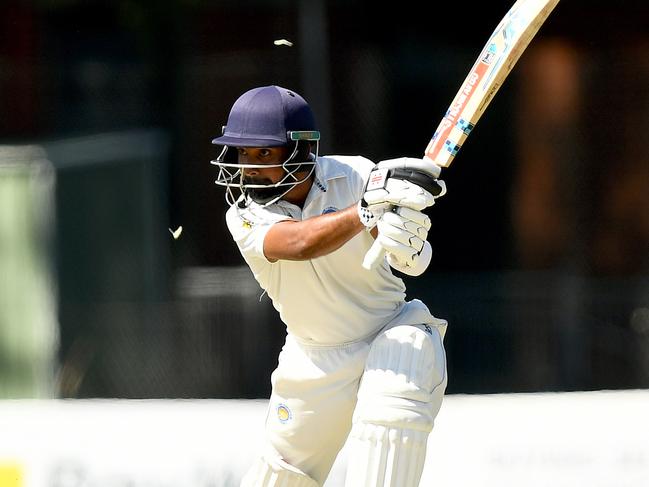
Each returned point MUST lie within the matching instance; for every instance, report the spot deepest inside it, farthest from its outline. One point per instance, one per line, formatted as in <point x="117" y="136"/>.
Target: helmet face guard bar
<point x="230" y="174"/>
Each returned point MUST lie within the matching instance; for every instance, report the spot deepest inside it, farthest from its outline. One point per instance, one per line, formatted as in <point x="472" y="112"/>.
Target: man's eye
<point x="264" y="152"/>
<point x="241" y="152"/>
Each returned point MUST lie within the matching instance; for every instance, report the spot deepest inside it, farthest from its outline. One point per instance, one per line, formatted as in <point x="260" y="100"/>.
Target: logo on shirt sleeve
<point x="329" y="209"/>
<point x="247" y="224"/>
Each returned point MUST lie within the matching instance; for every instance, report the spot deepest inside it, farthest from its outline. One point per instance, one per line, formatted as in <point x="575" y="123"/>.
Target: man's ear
<point x="304" y="150"/>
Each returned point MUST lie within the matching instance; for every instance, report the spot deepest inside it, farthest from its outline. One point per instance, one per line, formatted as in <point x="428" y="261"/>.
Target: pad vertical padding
<point x="380" y="456"/>
<point x="404" y="380"/>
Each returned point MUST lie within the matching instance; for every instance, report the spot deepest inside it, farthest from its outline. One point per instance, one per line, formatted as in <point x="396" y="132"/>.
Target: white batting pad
<point x="276" y="474"/>
<point x="404" y="379"/>
<point x="381" y="456"/>
<point x="399" y="397"/>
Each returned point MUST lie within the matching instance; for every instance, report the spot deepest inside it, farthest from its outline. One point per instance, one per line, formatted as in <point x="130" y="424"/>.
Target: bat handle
<point x="374" y="256"/>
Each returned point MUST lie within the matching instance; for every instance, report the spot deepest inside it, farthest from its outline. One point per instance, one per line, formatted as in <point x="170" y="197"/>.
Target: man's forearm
<point x="313" y="237"/>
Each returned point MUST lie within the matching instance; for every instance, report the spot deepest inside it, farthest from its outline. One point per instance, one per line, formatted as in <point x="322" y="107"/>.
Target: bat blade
<point x="496" y="60"/>
<point x="499" y="55"/>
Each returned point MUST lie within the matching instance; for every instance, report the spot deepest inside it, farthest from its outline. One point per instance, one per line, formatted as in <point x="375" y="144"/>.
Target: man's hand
<point x="404" y="182"/>
<point x="403" y="233"/>
<point x="389" y="187"/>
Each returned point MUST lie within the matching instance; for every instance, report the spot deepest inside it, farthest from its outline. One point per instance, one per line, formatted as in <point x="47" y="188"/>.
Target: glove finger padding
<point x="405" y="230"/>
<point x="409" y="218"/>
<point x="395" y="238"/>
<point x="403" y="233"/>
<point x="417" y="265"/>
<point x="401" y="193"/>
<point x="404" y="252"/>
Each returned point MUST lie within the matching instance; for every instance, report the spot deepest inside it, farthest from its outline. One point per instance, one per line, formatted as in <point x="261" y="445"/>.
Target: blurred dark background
<point x="541" y="245"/>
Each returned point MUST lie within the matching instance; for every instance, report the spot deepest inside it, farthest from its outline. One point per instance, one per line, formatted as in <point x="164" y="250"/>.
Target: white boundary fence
<point x="593" y="439"/>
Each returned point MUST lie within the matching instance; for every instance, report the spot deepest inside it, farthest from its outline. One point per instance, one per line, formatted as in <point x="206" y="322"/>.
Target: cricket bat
<point x="496" y="60"/>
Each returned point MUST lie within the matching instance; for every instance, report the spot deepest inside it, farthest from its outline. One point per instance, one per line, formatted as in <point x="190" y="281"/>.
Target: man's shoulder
<point x="344" y="165"/>
<point x="252" y="215"/>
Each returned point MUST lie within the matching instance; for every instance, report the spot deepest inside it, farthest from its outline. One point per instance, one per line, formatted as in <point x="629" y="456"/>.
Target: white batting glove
<point x="398" y="192"/>
<point x="421" y="174"/>
<point x="403" y="233"/>
<point x="383" y="193"/>
<point x="417" y="265"/>
<point x="369" y="214"/>
<point x="418" y="189"/>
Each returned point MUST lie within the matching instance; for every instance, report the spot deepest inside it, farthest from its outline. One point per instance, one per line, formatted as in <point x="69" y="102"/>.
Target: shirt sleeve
<point x="249" y="229"/>
<point x="361" y="168"/>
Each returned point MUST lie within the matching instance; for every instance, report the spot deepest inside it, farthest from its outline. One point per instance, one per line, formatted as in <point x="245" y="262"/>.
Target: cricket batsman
<point x="360" y="362"/>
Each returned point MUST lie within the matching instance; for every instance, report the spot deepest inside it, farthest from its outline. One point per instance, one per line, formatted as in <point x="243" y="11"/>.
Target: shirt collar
<point x="325" y="172"/>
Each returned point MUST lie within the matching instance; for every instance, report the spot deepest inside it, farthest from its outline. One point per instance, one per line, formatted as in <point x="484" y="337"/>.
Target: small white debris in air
<point x="283" y="42"/>
<point x="176" y="233"/>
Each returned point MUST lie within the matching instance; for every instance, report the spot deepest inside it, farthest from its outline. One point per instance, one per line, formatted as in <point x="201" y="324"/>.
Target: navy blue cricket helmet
<point x="268" y="116"/>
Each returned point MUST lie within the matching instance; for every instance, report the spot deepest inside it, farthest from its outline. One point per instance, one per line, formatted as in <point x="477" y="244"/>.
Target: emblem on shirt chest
<point x="247" y="224"/>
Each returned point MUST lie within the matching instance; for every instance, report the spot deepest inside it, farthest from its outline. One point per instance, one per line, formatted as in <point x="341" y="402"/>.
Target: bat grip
<point x="421" y="179"/>
<point x="374" y="256"/>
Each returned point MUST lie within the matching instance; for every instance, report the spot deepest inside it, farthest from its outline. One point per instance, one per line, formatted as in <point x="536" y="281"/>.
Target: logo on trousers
<point x="283" y="413"/>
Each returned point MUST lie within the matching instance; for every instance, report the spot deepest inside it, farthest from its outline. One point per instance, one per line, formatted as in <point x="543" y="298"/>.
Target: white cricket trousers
<point x="314" y="394"/>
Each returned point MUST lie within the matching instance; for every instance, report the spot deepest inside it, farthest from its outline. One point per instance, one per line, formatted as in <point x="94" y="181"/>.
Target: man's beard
<point x="262" y="195"/>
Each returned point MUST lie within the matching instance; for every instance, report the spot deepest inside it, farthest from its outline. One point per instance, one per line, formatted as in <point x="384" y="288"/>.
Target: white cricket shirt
<point x="330" y="299"/>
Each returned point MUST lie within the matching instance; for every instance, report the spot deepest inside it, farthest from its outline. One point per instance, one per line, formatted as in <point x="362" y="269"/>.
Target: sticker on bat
<point x="452" y="148"/>
<point x="465" y="126"/>
<point x="490" y="54"/>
